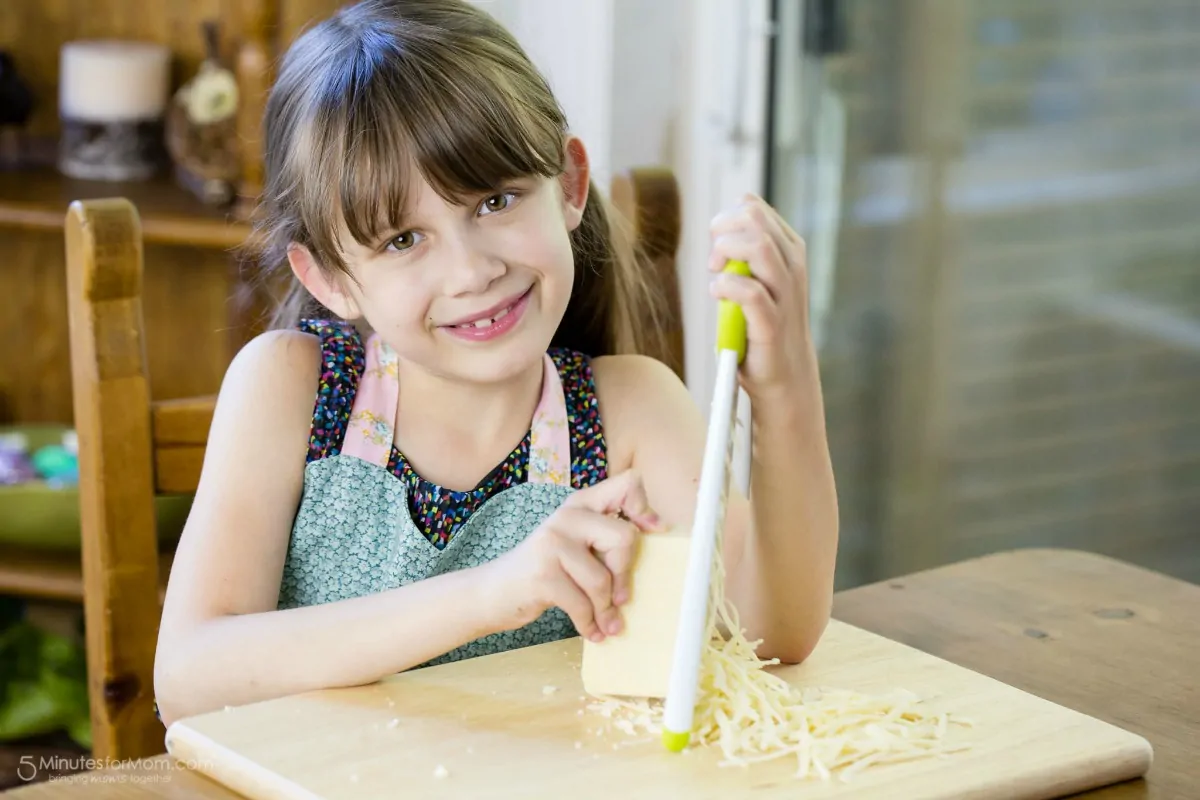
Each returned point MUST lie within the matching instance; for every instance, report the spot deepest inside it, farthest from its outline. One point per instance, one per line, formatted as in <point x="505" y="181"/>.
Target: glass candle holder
<point x="112" y="100"/>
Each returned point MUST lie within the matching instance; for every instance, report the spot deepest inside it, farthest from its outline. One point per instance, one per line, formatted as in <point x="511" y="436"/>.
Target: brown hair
<point x="386" y="84"/>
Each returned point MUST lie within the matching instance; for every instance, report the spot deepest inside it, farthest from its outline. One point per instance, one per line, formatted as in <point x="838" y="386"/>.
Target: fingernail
<point x="597" y="637"/>
<point x="614" y="626"/>
<point x="620" y="597"/>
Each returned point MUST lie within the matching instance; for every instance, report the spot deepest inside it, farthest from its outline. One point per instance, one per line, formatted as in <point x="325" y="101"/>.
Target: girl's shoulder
<point x="640" y="399"/>
<point x="287" y="359"/>
<point x="261" y="420"/>
<point x="624" y="380"/>
<point x="288" y="373"/>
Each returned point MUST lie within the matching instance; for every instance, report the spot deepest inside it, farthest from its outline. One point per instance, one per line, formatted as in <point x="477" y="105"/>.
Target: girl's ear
<point x="575" y="181"/>
<point x="326" y="288"/>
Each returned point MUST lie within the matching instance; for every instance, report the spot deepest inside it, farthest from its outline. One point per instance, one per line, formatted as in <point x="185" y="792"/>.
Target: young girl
<point x="450" y="447"/>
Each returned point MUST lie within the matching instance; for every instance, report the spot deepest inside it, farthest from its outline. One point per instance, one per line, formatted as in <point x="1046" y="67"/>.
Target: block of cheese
<point x="637" y="661"/>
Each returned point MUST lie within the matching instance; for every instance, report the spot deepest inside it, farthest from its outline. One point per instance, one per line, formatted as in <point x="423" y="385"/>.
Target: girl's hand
<point x="578" y="560"/>
<point x="779" y="350"/>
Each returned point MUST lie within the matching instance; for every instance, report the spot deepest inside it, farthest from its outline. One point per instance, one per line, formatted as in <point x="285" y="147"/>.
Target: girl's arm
<point x="780" y="553"/>
<point x="221" y="640"/>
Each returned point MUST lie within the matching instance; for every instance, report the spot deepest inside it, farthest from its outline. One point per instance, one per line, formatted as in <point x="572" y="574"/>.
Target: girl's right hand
<point x="578" y="560"/>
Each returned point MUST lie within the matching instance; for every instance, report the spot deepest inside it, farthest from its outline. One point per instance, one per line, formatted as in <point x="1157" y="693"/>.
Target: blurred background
<point x="1001" y="200"/>
<point x="1003" y="197"/>
<point x="1004" y="200"/>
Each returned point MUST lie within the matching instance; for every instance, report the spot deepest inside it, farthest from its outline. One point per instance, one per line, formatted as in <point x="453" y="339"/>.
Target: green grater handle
<point x="731" y="322"/>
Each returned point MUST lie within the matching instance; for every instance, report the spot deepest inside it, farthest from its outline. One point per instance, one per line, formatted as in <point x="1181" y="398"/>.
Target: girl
<point x="451" y="445"/>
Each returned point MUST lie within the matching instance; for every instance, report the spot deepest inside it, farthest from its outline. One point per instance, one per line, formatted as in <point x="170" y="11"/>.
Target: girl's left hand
<point x="779" y="350"/>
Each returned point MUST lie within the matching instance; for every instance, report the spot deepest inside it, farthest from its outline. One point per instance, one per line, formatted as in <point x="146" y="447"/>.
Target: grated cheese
<point x="754" y="716"/>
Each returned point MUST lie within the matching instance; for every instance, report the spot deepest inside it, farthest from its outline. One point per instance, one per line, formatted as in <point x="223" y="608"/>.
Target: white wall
<point x="649" y="74"/>
<point x="571" y="42"/>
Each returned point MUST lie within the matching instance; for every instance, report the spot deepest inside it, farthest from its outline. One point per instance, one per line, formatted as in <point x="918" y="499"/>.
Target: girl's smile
<point x="492" y="323"/>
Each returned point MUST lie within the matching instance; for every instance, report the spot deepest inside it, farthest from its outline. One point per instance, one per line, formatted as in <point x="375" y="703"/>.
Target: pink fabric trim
<point x="550" y="442"/>
<point x="369" y="435"/>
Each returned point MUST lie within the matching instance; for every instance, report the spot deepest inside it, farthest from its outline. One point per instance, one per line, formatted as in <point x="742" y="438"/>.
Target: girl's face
<point x="472" y="292"/>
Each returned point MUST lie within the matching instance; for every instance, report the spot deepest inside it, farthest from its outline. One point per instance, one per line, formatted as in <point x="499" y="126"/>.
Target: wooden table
<point x="1114" y="641"/>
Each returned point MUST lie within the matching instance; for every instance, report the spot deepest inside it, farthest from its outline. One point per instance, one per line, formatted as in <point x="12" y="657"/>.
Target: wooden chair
<point x="131" y="447"/>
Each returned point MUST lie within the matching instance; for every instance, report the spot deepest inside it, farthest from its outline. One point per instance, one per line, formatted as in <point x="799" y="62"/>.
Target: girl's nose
<point x="470" y="270"/>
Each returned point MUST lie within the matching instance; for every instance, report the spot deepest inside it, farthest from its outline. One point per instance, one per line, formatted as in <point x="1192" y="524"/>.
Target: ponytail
<point x="617" y="306"/>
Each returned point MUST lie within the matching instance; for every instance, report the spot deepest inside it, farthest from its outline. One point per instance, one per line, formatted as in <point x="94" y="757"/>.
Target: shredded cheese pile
<point x="755" y="716"/>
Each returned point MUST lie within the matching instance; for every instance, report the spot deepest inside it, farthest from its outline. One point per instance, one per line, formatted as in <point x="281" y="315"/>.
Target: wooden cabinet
<point x="200" y="303"/>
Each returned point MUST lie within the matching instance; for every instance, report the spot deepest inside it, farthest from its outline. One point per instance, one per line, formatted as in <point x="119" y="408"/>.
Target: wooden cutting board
<point x="507" y="726"/>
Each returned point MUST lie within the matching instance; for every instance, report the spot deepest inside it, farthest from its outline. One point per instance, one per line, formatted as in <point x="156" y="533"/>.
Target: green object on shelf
<point x="43" y="683"/>
<point x="44" y="516"/>
<point x="55" y="462"/>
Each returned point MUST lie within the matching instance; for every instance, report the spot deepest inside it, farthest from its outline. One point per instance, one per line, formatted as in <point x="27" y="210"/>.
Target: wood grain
<point x="183" y="421"/>
<point x="967" y="612"/>
<point x="35" y="30"/>
<point x="177" y="469"/>
<point x="1110" y="639"/>
<point x="38" y="198"/>
<point x="180" y="432"/>
<point x="254" y="68"/>
<point x="252" y="34"/>
<point x="54" y="575"/>
<point x="488" y="720"/>
<point x="112" y="415"/>
<point x="186" y="312"/>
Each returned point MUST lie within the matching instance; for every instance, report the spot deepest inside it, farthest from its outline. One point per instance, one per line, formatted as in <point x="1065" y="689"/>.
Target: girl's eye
<point x="403" y="242"/>
<point x="497" y="202"/>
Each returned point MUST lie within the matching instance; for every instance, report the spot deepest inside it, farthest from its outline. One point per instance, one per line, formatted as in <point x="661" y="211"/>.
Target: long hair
<point x="384" y="85"/>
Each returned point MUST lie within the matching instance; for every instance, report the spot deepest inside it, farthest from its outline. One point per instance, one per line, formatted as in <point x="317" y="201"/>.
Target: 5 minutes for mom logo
<point x="77" y="768"/>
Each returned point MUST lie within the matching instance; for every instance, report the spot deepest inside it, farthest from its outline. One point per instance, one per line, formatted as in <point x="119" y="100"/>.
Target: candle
<point x="111" y="81"/>
<point x="112" y="99"/>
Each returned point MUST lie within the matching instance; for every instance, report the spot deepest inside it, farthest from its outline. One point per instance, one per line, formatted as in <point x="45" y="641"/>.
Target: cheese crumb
<point x="393" y="724"/>
<point x="440" y="772"/>
<point x="548" y="690"/>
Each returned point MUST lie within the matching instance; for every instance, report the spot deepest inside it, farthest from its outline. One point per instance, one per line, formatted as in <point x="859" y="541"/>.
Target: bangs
<point x="454" y="115"/>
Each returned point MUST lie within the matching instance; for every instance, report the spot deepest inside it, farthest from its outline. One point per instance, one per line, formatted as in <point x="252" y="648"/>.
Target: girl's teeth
<point x="484" y="323"/>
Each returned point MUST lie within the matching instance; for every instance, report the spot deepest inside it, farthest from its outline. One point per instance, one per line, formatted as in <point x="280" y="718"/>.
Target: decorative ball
<point x="56" y="463"/>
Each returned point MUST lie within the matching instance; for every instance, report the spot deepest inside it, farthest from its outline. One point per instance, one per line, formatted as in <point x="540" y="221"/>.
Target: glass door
<point x="1001" y="199"/>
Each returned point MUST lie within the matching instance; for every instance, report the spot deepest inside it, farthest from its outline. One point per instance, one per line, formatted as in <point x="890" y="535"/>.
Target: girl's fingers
<point x="612" y="539"/>
<point x="566" y="594"/>
<point x="760" y="309"/>
<point x="758" y="250"/>
<point x="785" y="231"/>
<point x="755" y="215"/>
<point x="621" y="494"/>
<point x="594" y="579"/>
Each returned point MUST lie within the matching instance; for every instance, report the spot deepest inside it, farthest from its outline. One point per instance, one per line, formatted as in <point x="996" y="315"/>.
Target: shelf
<point x="38" y="199"/>
<point x="54" y="575"/>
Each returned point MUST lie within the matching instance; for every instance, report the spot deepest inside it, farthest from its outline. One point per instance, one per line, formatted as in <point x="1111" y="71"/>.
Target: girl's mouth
<point x="495" y="325"/>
